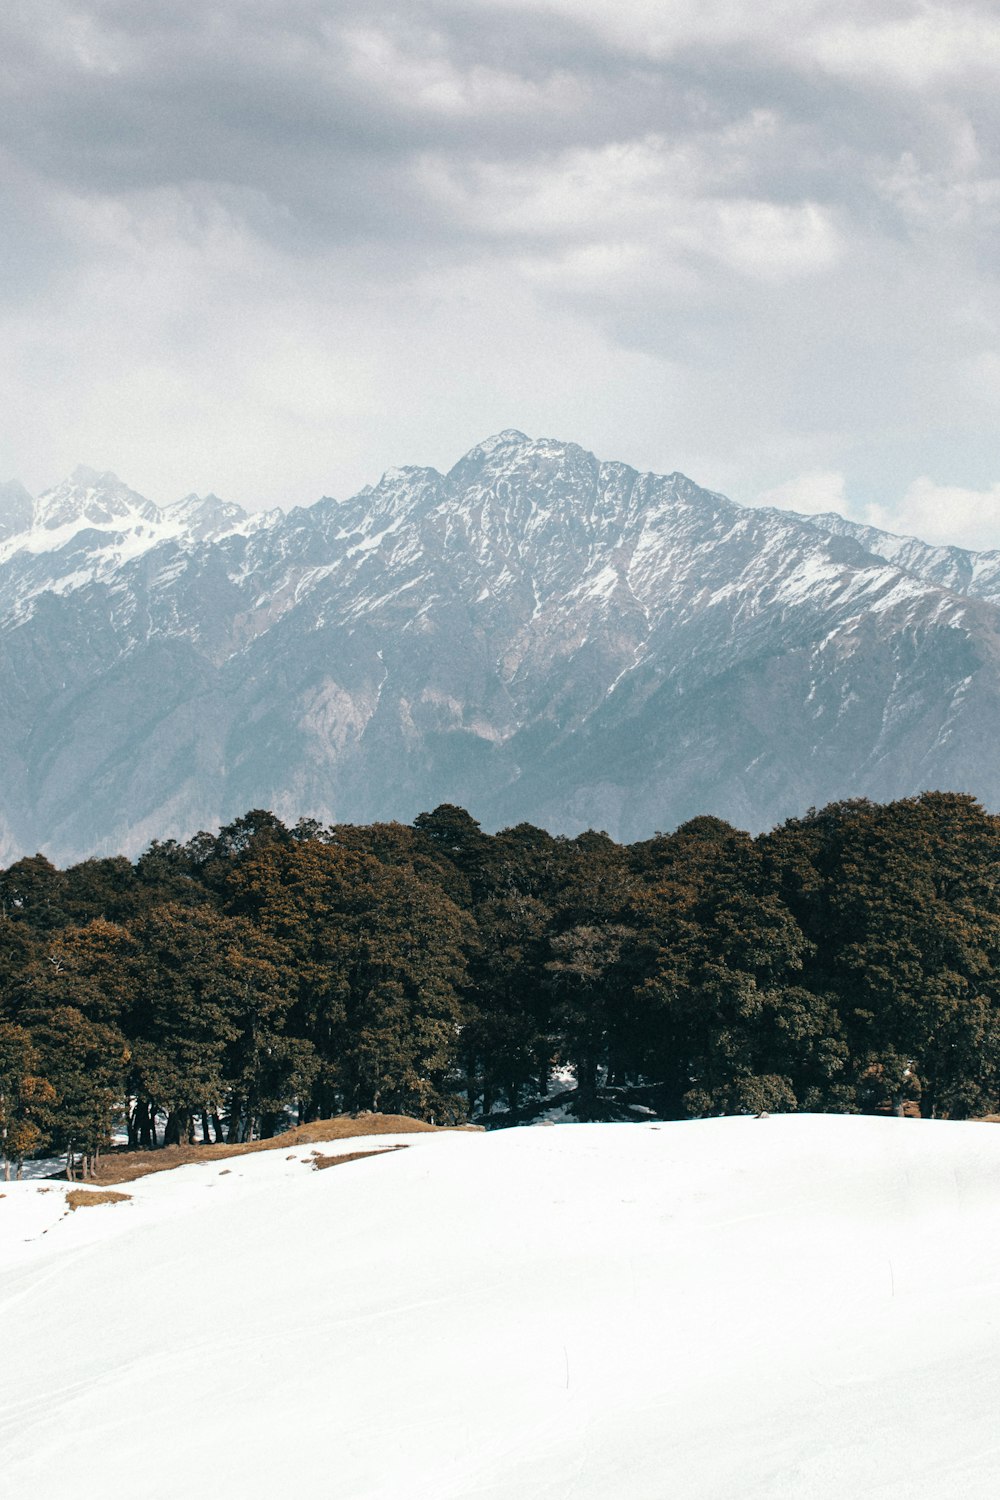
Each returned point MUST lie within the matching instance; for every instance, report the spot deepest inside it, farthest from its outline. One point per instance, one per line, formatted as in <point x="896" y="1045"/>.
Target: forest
<point x="222" y="988"/>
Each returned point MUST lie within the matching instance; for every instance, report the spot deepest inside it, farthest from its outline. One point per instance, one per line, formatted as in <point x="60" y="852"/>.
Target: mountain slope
<point x="796" y="1306"/>
<point x="536" y="634"/>
<point x="954" y="568"/>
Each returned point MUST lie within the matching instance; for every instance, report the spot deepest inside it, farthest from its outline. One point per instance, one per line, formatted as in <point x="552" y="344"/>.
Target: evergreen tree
<point x="737" y="1029"/>
<point x="380" y="961"/>
<point x="183" y="1017"/>
<point x="84" y="1062"/>
<point x="33" y="891"/>
<point x="508" y="1043"/>
<point x="25" y="1098"/>
<point x="904" y="903"/>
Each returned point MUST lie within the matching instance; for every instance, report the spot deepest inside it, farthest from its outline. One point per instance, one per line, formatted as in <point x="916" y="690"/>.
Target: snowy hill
<point x="801" y="1306"/>
<point x="536" y="635"/>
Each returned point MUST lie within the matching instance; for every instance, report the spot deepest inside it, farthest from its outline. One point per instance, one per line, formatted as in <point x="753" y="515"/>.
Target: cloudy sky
<point x="271" y="247"/>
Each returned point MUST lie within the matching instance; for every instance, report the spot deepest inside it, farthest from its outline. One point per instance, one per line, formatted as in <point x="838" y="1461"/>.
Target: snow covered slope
<point x="800" y="1308"/>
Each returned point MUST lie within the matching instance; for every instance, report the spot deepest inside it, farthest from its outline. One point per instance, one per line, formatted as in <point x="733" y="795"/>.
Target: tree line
<point x="846" y="961"/>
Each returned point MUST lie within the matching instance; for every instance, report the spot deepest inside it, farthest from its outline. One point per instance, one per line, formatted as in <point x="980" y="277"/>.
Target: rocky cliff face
<point x="536" y="635"/>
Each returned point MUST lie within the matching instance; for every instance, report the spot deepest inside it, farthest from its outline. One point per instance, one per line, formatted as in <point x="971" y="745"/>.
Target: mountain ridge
<point x="536" y="634"/>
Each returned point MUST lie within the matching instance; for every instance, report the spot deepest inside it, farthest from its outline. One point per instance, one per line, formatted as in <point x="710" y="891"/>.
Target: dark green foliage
<point x="107" y="888"/>
<point x="379" y="957"/>
<point x="902" y="904"/>
<point x="33" y="891"/>
<point x="83" y="1062"/>
<point x="25" y="1097"/>
<point x="507" y="1042"/>
<point x="733" y="1027"/>
<point x="849" y="960"/>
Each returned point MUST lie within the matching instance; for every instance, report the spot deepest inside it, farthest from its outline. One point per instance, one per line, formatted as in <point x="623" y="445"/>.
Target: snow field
<point x="794" y="1307"/>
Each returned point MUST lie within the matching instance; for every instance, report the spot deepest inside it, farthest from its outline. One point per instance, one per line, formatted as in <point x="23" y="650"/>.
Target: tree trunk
<point x="235" y="1120"/>
<point x="142" y="1124"/>
<point x="6" y="1170"/>
<point x="217" y="1127"/>
<point x="586" y="1087"/>
<point x="928" y="1100"/>
<point x="178" y="1129"/>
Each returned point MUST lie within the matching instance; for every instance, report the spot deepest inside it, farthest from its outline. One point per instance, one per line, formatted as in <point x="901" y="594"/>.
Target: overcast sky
<point x="272" y="247"/>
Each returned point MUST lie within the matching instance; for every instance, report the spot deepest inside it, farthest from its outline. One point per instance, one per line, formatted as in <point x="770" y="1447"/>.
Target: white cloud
<point x="942" y="514"/>
<point x="655" y="30"/>
<point x="932" y="43"/>
<point x="946" y="515"/>
<point x="425" y="77"/>
<point x="912" y="43"/>
<point x="272" y="248"/>
<point x="634" y="204"/>
<point x="811" y="494"/>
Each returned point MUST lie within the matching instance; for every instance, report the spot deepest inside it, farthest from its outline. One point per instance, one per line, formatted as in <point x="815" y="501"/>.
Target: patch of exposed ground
<point x="126" y="1166"/>
<point x="318" y="1162"/>
<point x="85" y="1198"/>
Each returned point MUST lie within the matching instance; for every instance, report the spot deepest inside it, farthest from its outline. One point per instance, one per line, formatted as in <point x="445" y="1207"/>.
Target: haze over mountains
<point x="536" y="635"/>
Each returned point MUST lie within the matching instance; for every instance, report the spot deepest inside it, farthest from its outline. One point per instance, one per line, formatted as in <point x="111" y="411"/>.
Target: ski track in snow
<point x="799" y="1307"/>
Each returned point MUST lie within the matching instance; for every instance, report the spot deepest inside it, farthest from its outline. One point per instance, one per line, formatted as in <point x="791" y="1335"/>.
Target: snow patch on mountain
<point x="536" y="634"/>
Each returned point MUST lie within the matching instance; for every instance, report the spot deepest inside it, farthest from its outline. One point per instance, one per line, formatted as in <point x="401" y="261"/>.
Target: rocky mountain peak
<point x="204" y="517"/>
<point x="91" y="498"/>
<point x="537" y="635"/>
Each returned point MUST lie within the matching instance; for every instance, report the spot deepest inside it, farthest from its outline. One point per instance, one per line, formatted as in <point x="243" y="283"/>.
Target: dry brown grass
<point x="83" y="1198"/>
<point x="319" y="1162"/>
<point x="126" y="1166"/>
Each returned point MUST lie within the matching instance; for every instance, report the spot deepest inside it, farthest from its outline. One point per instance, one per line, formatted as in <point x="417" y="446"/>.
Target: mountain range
<point x="536" y="635"/>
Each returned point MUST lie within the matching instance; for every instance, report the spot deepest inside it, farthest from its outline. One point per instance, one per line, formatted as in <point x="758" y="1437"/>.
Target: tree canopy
<point x="848" y="960"/>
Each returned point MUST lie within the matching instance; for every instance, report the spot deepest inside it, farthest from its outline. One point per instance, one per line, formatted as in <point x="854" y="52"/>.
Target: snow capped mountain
<point x="89" y="527"/>
<point x="87" y="498"/>
<point x="204" y="518"/>
<point x="536" y="634"/>
<point x="954" y="568"/>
